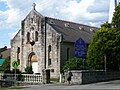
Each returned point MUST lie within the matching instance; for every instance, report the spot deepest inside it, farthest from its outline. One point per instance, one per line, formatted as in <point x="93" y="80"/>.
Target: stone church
<point x="46" y="43"/>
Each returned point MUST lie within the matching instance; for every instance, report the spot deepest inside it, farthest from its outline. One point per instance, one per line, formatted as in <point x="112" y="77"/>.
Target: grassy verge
<point x="13" y="88"/>
<point x="54" y="80"/>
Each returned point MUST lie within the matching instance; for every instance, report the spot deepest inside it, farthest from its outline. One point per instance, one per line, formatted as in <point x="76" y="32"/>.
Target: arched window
<point x="36" y="36"/>
<point x="28" y="37"/>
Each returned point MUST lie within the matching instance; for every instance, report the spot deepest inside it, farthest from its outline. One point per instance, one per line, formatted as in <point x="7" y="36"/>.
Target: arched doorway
<point x="32" y="60"/>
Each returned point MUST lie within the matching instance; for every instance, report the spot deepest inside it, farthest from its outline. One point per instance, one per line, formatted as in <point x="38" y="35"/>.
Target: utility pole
<point x="105" y="62"/>
<point x="113" y="4"/>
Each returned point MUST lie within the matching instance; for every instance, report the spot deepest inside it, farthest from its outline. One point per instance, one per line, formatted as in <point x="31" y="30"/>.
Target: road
<point x="115" y="85"/>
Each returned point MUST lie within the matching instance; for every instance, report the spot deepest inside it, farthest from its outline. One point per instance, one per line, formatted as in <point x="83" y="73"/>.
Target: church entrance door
<point x="35" y="67"/>
<point x="33" y="61"/>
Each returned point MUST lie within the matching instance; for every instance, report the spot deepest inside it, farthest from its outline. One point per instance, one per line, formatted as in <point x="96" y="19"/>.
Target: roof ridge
<point x="70" y="22"/>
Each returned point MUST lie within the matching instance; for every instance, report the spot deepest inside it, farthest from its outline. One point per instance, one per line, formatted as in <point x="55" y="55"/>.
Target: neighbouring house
<point x="4" y="53"/>
<point x="46" y="43"/>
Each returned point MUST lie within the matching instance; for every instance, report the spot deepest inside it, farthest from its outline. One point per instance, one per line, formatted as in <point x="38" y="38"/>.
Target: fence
<point x="20" y="78"/>
<point x="32" y="78"/>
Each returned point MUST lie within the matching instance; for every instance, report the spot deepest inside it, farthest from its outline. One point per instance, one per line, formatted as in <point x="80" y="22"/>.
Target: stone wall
<point x="85" y="77"/>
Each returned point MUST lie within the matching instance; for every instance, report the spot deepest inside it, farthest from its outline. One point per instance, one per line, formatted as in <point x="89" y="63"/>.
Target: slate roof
<point x="72" y="31"/>
<point x="69" y="30"/>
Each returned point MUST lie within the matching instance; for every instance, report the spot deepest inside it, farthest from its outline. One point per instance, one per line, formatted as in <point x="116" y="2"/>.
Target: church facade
<point x="46" y="43"/>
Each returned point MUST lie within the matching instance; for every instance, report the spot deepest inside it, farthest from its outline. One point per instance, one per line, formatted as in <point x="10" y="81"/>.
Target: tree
<point x="105" y="42"/>
<point x="116" y="18"/>
<point x="6" y="65"/>
<point x="106" y="25"/>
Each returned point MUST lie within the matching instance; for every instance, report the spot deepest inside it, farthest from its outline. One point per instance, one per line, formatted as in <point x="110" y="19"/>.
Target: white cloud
<point x="11" y="35"/>
<point x="84" y="12"/>
<point x="80" y="11"/>
<point x="90" y="12"/>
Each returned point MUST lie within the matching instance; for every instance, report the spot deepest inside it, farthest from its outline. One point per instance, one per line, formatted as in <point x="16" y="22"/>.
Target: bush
<point x="20" y="77"/>
<point x="74" y="63"/>
<point x="28" y="70"/>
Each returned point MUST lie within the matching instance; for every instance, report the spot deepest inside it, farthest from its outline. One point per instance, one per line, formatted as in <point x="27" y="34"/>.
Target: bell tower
<point x="113" y="4"/>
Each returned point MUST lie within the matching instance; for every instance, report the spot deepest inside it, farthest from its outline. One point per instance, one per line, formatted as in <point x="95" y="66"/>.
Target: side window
<point x="28" y="37"/>
<point x="18" y="52"/>
<point x="49" y="48"/>
<point x="49" y="62"/>
<point x="49" y="55"/>
<point x="36" y="36"/>
<point x="68" y="53"/>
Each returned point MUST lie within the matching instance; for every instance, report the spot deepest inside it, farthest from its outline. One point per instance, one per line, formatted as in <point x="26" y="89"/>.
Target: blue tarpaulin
<point x="2" y="61"/>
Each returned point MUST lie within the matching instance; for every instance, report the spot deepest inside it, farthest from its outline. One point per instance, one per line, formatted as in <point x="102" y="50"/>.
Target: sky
<point x="12" y="12"/>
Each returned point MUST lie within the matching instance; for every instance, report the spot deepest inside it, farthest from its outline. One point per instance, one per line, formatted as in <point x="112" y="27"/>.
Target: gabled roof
<point x="72" y="31"/>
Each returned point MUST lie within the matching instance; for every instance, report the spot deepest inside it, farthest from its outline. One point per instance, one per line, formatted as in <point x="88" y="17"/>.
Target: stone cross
<point x="34" y="6"/>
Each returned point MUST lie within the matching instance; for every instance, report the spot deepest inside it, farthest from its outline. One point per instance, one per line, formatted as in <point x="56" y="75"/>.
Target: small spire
<point x="34" y="6"/>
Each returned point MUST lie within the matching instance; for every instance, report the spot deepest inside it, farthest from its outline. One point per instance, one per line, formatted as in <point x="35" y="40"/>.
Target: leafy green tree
<point x="116" y="18"/>
<point x="105" y="42"/>
<point x="106" y="25"/>
<point x="6" y="65"/>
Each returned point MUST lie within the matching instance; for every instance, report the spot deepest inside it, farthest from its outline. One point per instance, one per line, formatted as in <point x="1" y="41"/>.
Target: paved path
<point x="115" y="85"/>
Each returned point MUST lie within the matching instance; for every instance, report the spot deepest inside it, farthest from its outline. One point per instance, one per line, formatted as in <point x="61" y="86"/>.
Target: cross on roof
<point x="34" y="6"/>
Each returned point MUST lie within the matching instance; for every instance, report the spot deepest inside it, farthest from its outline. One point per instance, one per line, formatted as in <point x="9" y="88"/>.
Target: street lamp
<point x="105" y="62"/>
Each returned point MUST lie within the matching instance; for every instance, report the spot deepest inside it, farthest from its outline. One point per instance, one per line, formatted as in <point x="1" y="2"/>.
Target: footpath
<point x="114" y="85"/>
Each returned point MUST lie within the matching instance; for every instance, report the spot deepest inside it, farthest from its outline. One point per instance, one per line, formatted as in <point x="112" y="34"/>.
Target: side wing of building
<point x="70" y="32"/>
<point x="15" y="45"/>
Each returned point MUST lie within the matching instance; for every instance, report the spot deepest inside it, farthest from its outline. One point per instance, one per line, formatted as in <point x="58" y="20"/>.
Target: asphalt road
<point x="110" y="85"/>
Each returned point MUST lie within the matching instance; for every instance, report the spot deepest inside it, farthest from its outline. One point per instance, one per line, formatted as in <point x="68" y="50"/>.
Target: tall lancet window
<point x="36" y="36"/>
<point x="28" y="37"/>
<point x="32" y="34"/>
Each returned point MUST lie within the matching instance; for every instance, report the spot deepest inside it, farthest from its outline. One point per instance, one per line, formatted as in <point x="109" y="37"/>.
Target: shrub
<point x="28" y="70"/>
